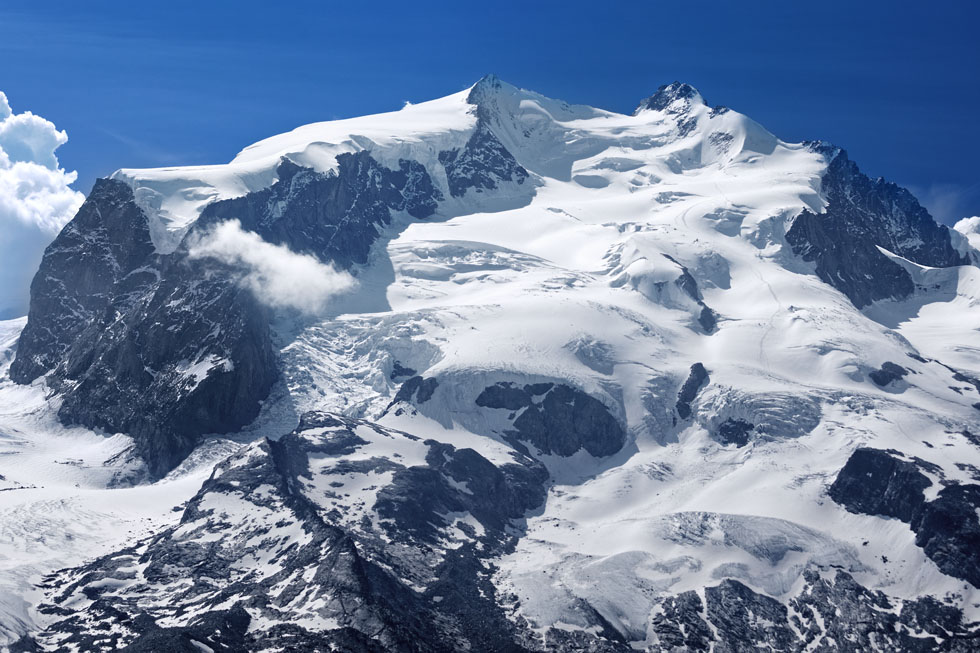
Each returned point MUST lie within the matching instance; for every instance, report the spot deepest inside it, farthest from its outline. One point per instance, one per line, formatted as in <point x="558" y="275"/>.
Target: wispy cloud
<point x="149" y="151"/>
<point x="278" y="276"/>
<point x="949" y="202"/>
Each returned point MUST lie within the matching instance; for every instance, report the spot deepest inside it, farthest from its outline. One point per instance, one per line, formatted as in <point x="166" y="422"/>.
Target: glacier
<point x="601" y="384"/>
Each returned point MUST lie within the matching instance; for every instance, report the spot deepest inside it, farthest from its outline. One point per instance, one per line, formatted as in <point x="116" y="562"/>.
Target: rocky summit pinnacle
<point x="667" y="95"/>
<point x="486" y="86"/>
<point x="496" y="372"/>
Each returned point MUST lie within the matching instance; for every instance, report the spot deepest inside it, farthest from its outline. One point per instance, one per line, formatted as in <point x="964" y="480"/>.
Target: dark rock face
<point x="948" y="531"/>
<point x="874" y="482"/>
<point x="354" y="585"/>
<point x="334" y="217"/>
<point x="342" y="441"/>
<point x="167" y="348"/>
<point x="676" y="99"/>
<point x="481" y="164"/>
<point x="416" y="389"/>
<point x="400" y="371"/>
<point x="686" y="282"/>
<point x="734" y="431"/>
<point x="869" y="621"/>
<point x="708" y="319"/>
<point x="863" y="214"/>
<point x="680" y="625"/>
<point x="192" y="356"/>
<point x="929" y="615"/>
<point x="696" y="380"/>
<point x="413" y="392"/>
<point x="162" y="348"/>
<point x="745" y="616"/>
<point x="887" y="373"/>
<point x="562" y="422"/>
<point x="830" y="613"/>
<point x="413" y="504"/>
<point x="101" y="247"/>
<point x="667" y="94"/>
<point x="327" y="581"/>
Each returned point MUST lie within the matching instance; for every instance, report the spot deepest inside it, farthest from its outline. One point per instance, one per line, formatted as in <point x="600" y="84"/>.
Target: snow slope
<point x="65" y="495"/>
<point x="582" y="277"/>
<point x="174" y="197"/>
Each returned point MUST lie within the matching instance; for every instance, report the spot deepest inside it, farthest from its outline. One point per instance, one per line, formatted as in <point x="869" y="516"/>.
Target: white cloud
<point x="969" y="228"/>
<point x="968" y="225"/>
<point x="278" y="276"/>
<point x="35" y="201"/>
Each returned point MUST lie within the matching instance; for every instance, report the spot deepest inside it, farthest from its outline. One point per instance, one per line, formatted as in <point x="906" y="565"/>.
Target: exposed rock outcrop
<point x="402" y="571"/>
<point x="556" y="418"/>
<point x="689" y="391"/>
<point x="863" y="214"/>
<point x="167" y="348"/>
<point x="876" y="482"/>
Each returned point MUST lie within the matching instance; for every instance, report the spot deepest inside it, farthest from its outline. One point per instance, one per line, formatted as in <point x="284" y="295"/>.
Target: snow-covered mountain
<point x="498" y="373"/>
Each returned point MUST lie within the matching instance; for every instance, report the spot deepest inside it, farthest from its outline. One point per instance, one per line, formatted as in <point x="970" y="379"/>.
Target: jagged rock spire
<point x="669" y="94"/>
<point x="487" y="85"/>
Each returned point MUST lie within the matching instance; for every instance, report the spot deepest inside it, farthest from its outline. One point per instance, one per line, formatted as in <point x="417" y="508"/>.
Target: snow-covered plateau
<point x="498" y="373"/>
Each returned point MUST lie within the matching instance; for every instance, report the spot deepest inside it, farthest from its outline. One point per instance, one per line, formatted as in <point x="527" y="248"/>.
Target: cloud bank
<point x="968" y="225"/>
<point x="279" y="277"/>
<point x="969" y="228"/>
<point x="36" y="201"/>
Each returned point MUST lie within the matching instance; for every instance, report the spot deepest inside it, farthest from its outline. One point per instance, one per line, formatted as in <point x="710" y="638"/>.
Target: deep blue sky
<point x="135" y="85"/>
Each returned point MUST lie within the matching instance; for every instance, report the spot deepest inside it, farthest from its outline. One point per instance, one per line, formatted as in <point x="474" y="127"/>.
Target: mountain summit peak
<point x="669" y="94"/>
<point x="566" y="324"/>
<point x="487" y="86"/>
